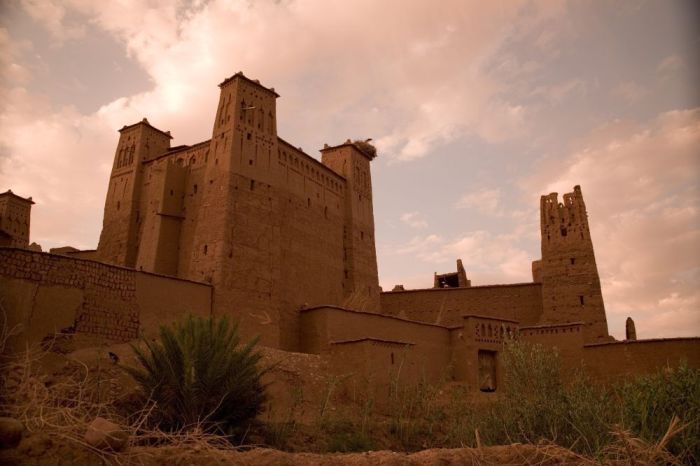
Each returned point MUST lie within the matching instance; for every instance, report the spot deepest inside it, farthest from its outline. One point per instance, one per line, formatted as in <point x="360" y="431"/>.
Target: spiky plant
<point x="199" y="375"/>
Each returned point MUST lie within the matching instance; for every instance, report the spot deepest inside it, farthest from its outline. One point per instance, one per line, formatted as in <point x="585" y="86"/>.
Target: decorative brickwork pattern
<point x="109" y="306"/>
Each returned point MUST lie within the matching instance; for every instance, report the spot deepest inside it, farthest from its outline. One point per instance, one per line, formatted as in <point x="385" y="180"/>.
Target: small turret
<point x="15" y="214"/>
<point x="630" y="330"/>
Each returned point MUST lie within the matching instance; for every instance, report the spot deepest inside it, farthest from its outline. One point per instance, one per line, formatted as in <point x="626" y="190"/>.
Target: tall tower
<point x="361" y="283"/>
<point x="15" y="214"/>
<point x="570" y="282"/>
<point x="119" y="238"/>
<point x="236" y="244"/>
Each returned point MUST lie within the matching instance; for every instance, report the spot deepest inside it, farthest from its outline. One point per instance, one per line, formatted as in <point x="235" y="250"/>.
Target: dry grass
<point x="62" y="408"/>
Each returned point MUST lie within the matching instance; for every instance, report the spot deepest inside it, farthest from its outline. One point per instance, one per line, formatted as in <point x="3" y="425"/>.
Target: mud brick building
<point x="246" y="224"/>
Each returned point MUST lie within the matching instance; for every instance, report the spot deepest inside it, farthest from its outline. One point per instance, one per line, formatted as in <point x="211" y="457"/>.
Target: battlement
<point x="363" y="147"/>
<point x="571" y="210"/>
<point x="255" y="82"/>
<point x="145" y="123"/>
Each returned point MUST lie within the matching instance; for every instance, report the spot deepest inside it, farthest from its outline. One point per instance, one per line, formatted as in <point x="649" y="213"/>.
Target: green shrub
<point x="650" y="402"/>
<point x="198" y="375"/>
<point x="536" y="404"/>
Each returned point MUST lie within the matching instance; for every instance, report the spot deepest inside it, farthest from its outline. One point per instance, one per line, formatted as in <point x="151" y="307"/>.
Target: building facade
<point x="249" y="226"/>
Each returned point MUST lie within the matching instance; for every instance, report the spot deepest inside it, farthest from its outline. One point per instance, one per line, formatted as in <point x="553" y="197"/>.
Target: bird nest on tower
<point x="366" y="148"/>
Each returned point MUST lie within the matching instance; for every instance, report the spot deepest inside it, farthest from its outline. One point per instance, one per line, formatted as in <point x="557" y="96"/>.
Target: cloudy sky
<point x="477" y="109"/>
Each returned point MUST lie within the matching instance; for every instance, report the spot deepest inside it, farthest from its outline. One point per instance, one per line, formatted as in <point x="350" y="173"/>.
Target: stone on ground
<point x="106" y="435"/>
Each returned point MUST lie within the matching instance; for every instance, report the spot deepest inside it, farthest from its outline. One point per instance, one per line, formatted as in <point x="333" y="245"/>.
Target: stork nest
<point x="366" y="148"/>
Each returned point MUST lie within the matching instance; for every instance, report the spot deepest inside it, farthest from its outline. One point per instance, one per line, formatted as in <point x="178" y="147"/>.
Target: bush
<point x="537" y="405"/>
<point x="199" y="375"/>
<point x="650" y="402"/>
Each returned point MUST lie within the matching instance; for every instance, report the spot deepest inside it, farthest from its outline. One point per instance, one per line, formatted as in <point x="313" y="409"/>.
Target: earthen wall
<point x="614" y="361"/>
<point x="446" y="306"/>
<point x="375" y="367"/>
<point x="46" y="293"/>
<point x="321" y="327"/>
<point x="568" y="339"/>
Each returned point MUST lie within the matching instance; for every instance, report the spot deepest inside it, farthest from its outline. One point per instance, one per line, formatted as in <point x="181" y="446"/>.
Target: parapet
<point x="363" y="147"/>
<point x="12" y="195"/>
<point x="254" y="82"/>
<point x="554" y="211"/>
<point x="146" y="123"/>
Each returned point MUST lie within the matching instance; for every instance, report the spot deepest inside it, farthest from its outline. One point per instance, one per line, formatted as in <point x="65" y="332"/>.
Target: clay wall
<point x="158" y="246"/>
<point x="89" y="254"/>
<point x="446" y="306"/>
<point x="195" y="159"/>
<point x="164" y="300"/>
<point x="322" y="329"/>
<point x="478" y="334"/>
<point x="567" y="338"/>
<point x="311" y="225"/>
<point x="46" y="293"/>
<point x="375" y="367"/>
<point x="610" y="362"/>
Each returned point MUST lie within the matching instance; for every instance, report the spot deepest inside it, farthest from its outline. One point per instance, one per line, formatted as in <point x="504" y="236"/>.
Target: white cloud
<point x="414" y="220"/>
<point x="641" y="191"/>
<point x="489" y="258"/>
<point x="486" y="201"/>
<point x="52" y="15"/>
<point x="324" y="58"/>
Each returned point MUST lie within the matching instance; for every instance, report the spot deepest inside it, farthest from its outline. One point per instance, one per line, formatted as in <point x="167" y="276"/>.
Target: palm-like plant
<point x="198" y="374"/>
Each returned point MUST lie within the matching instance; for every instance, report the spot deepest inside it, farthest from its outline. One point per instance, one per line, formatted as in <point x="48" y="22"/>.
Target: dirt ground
<point x="39" y="449"/>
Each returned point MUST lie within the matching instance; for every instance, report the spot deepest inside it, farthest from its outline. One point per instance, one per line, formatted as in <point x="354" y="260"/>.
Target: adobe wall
<point x="478" y="333"/>
<point x="164" y="300"/>
<point x="311" y="228"/>
<point x="446" y="306"/>
<point x="321" y="327"/>
<point x="375" y="367"/>
<point x="567" y="338"/>
<point x="608" y="362"/>
<point x="45" y="294"/>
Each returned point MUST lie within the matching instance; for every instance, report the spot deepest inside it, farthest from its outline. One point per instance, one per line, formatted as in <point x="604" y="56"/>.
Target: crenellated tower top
<point x="563" y="222"/>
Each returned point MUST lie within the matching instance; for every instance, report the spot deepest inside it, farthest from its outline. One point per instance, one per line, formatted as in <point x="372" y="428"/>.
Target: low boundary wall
<point x="607" y="362"/>
<point x="43" y="294"/>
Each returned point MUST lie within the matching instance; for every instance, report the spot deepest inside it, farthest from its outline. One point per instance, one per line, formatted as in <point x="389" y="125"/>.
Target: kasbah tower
<point x="568" y="272"/>
<point x="247" y="225"/>
<point x="270" y="227"/>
